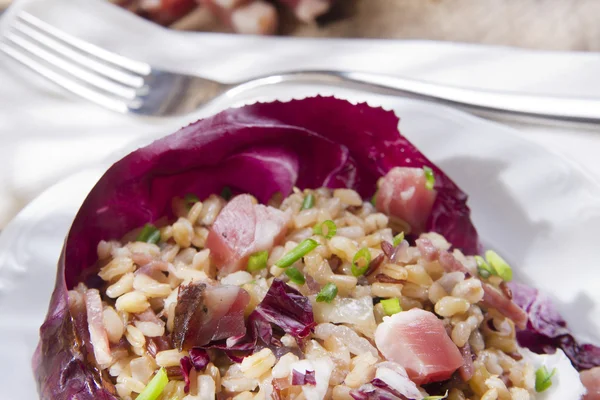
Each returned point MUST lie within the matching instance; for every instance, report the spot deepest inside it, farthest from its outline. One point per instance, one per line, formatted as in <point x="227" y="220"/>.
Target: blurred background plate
<point x="532" y="206"/>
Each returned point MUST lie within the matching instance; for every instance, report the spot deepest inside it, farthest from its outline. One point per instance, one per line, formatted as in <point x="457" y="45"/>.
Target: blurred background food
<point x="542" y="24"/>
<point x="545" y="24"/>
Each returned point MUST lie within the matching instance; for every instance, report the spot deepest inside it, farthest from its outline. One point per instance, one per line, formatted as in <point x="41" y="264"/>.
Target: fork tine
<point x="94" y="51"/>
<point x="84" y="60"/>
<point x="71" y="69"/>
<point x="66" y="83"/>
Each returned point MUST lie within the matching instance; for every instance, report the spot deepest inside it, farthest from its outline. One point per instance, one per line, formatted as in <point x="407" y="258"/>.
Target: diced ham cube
<point x="417" y="340"/>
<point x="591" y="381"/>
<point x="402" y="194"/>
<point x="243" y="228"/>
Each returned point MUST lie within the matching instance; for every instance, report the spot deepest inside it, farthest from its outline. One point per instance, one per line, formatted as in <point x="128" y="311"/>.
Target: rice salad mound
<point x="322" y="296"/>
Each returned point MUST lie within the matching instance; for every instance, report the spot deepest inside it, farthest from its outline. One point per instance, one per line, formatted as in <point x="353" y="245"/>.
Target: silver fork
<point x="133" y="87"/>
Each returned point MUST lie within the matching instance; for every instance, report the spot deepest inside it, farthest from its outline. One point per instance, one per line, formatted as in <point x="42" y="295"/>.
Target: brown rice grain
<point x="344" y="283"/>
<point x="120" y="287"/>
<point x="211" y="208"/>
<point x="116" y="268"/>
<point x="149" y="287"/>
<point x="200" y="235"/>
<point x="134" y="336"/>
<point x="169" y="252"/>
<point x="394" y="271"/>
<point x="363" y="370"/>
<point x="132" y="302"/>
<point x="113" y="324"/>
<point x="341" y="392"/>
<point x="150" y="329"/>
<point x="142" y="368"/>
<point x="166" y="233"/>
<point x="386" y="290"/>
<point x="212" y="371"/>
<point x="469" y="289"/>
<point x="306" y="218"/>
<point x="258" y="363"/>
<point x="449" y="306"/>
<point x="194" y="212"/>
<point x="169" y="358"/>
<point x="183" y="232"/>
<point x="418" y="275"/>
<point x="207" y="389"/>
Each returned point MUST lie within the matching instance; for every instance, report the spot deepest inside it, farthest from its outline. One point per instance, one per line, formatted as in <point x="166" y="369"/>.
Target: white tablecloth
<point x="46" y="135"/>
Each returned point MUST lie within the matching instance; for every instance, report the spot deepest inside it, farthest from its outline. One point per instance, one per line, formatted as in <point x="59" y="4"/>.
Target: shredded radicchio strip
<point x="388" y="249"/>
<point x="186" y="367"/>
<point x="306" y="378"/>
<point x="378" y="383"/>
<point x="374" y="264"/>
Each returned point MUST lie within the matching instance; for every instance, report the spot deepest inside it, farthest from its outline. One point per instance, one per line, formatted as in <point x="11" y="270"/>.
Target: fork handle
<point x="479" y="101"/>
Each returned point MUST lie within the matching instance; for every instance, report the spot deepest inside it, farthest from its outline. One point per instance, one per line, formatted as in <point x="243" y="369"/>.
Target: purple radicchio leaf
<point x="262" y="149"/>
<point x="185" y="364"/>
<point x="547" y="331"/>
<point x="287" y="308"/>
<point x="199" y="358"/>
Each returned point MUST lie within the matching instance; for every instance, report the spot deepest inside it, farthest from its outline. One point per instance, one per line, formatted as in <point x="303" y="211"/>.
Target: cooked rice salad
<point x="285" y="251"/>
<point x="339" y="297"/>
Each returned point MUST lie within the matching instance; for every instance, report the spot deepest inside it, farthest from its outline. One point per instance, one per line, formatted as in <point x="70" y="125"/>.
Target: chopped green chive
<point x="398" y="239"/>
<point x="155" y="387"/>
<point x="257" y="261"/>
<point x="374" y="199"/>
<point x="305" y="247"/>
<point x="429" y="178"/>
<point x="543" y="378"/>
<point x="190" y="199"/>
<point x="309" y="202"/>
<point x="503" y="270"/>
<point x="360" y="262"/>
<point x="484" y="269"/>
<point x="391" y="306"/>
<point x="226" y="192"/>
<point x="436" y="397"/>
<point x="328" y="293"/>
<point x="327" y="229"/>
<point x="149" y="234"/>
<point x="295" y="275"/>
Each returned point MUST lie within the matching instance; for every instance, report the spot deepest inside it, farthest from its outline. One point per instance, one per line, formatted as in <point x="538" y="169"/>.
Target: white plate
<point x="532" y="206"/>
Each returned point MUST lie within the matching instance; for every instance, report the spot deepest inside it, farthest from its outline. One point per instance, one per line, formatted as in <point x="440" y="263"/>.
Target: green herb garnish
<point x="391" y="306"/>
<point x="190" y="199"/>
<point x="305" y="247"/>
<point x="327" y="229"/>
<point x="429" y="178"/>
<point x="226" y="193"/>
<point x="295" y="275"/>
<point x="309" y="202"/>
<point x="436" y="397"/>
<point x="501" y="267"/>
<point x="398" y="239"/>
<point x="149" y="234"/>
<point x="483" y="268"/>
<point x="155" y="387"/>
<point x="257" y="261"/>
<point x="328" y="293"/>
<point x="360" y="262"/>
<point x="543" y="378"/>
